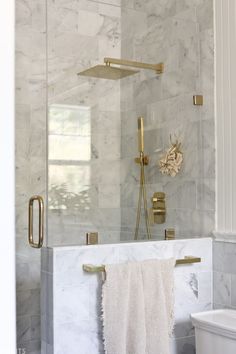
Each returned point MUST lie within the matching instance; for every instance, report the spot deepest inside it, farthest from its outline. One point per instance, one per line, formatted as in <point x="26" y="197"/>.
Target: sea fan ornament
<point x="170" y="163"/>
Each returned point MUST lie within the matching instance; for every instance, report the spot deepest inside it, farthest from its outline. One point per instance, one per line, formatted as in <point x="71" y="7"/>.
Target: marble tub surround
<point x="74" y="309"/>
<point x="224" y="274"/>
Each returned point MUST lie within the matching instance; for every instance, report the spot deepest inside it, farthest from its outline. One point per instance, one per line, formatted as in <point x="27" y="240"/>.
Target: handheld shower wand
<point x="142" y="160"/>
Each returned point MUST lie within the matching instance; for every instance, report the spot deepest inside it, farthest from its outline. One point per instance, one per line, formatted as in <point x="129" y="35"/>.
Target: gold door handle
<point x="38" y="244"/>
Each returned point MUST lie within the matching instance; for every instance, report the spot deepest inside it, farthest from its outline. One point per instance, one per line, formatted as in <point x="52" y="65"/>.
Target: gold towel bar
<point x="90" y="268"/>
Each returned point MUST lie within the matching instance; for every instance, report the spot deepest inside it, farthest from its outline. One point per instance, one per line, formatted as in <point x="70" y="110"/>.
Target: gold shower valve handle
<point x="158" y="196"/>
<point x="159" y="207"/>
<point x="159" y="212"/>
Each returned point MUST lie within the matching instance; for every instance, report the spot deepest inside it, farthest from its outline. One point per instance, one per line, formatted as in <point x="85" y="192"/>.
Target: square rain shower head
<point x="108" y="72"/>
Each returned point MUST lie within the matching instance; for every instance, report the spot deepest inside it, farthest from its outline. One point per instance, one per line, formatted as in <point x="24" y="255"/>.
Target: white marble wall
<point x="179" y="34"/>
<point x="71" y="298"/>
<point x="224" y="274"/>
<point x="30" y="137"/>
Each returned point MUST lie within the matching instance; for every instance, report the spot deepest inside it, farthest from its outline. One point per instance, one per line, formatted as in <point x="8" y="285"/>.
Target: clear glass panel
<point x="93" y="180"/>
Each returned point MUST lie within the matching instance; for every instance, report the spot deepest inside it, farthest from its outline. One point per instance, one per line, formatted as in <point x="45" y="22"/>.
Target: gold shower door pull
<point x="39" y="243"/>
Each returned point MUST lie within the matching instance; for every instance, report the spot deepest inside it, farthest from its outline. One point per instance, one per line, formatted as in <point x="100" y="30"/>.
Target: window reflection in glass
<point x="69" y="157"/>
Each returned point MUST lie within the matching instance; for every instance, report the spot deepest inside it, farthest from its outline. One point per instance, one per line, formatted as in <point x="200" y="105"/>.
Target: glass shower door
<point x="104" y="63"/>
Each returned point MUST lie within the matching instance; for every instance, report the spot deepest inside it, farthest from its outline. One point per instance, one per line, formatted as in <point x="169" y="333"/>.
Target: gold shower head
<point x="115" y="73"/>
<point x="108" y="72"/>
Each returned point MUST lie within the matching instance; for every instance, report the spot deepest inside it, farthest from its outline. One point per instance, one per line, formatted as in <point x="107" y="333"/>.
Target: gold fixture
<point x="107" y="72"/>
<point x="140" y="134"/>
<point x="92" y="238"/>
<point x="169" y="234"/>
<point x="90" y="268"/>
<point x="198" y="100"/>
<point x="38" y="244"/>
<point x="142" y="160"/>
<point x="159" y="68"/>
<point x="145" y="160"/>
<point x="159" y="208"/>
<point x="115" y="73"/>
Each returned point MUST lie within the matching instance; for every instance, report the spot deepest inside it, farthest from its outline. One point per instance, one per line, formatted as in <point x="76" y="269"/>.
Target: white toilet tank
<point x="215" y="332"/>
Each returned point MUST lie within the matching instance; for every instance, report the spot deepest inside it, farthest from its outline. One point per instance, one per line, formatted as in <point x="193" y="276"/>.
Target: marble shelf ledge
<point x="229" y="237"/>
<point x="129" y="243"/>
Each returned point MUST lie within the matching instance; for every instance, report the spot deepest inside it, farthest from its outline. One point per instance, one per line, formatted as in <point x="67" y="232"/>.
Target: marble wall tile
<point x="107" y="147"/>
<point x="28" y="276"/>
<point x="46" y="260"/>
<point x="28" y="302"/>
<point x="63" y="16"/>
<point x="35" y="327"/>
<point x="32" y="346"/>
<point x="133" y="23"/>
<point x="103" y="121"/>
<point x="47" y="330"/>
<point x="23" y="329"/>
<point x="224" y="284"/>
<point x="233" y="290"/>
<point x="184" y="345"/>
<point x="222" y="288"/>
<point x="224" y="257"/>
<point x="180" y="195"/>
<point x="23" y="117"/>
<point x="109" y="196"/>
<point x="205" y="14"/>
<point x="46" y="305"/>
<point x="72" y="306"/>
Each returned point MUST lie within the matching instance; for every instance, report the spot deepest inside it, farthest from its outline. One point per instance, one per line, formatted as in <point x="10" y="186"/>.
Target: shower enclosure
<point x="78" y="154"/>
<point x="152" y="69"/>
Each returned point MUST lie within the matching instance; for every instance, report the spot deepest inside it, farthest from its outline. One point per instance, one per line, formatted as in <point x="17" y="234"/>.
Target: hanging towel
<point x="138" y="305"/>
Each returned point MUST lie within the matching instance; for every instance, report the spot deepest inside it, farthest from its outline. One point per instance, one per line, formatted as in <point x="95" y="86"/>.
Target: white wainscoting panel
<point x="225" y="67"/>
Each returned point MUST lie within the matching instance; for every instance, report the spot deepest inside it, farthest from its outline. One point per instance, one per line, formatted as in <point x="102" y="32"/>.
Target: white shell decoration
<point x="171" y="162"/>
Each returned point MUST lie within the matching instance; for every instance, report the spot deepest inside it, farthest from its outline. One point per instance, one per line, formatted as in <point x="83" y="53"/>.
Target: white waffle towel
<point x="138" y="306"/>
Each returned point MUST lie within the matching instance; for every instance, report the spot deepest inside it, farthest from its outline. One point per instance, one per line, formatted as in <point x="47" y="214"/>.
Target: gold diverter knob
<point x="159" y="208"/>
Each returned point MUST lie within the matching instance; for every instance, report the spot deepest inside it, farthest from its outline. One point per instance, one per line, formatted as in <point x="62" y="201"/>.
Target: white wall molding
<point x="225" y="106"/>
<point x="7" y="184"/>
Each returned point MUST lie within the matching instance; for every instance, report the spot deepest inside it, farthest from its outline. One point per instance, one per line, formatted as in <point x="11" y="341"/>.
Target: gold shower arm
<point x="90" y="268"/>
<point x="159" y="68"/>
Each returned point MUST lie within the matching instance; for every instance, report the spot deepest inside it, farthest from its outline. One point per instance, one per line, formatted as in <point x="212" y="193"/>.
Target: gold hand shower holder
<point x="90" y="268"/>
<point x="142" y="160"/>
